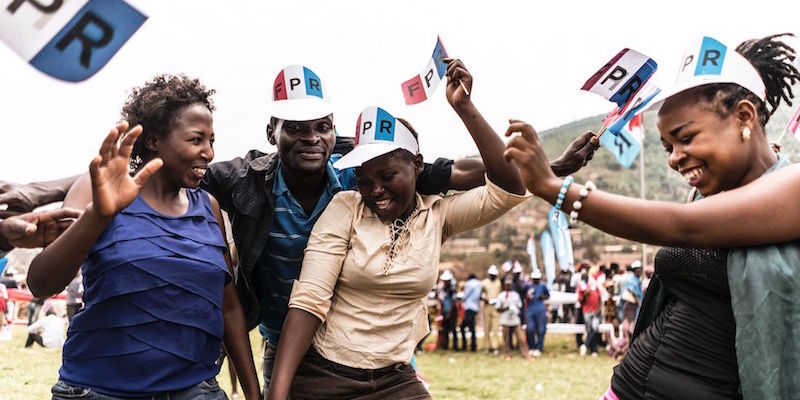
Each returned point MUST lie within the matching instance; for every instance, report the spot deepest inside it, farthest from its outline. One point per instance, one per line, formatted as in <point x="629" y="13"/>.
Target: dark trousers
<point x="72" y="309"/>
<point x="468" y="323"/>
<point x="592" y="321"/>
<point x="34" y="338"/>
<point x="33" y="314"/>
<point x="536" y="328"/>
<point x="449" y="328"/>
<point x="579" y="320"/>
<point x="319" y="378"/>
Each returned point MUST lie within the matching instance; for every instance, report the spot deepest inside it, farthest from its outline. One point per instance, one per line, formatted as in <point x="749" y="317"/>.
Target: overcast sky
<point x="529" y="60"/>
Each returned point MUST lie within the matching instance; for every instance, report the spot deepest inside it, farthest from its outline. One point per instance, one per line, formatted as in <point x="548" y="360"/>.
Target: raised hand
<point x="459" y="83"/>
<point x="112" y="187"/>
<point x="577" y="155"/>
<point x="37" y="229"/>
<point x="526" y="151"/>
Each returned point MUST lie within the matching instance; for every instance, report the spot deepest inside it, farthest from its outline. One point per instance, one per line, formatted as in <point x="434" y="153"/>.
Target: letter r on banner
<point x="89" y="40"/>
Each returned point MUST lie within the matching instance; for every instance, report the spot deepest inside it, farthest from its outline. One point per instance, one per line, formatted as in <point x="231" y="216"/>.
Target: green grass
<point x="28" y="374"/>
<point x="558" y="374"/>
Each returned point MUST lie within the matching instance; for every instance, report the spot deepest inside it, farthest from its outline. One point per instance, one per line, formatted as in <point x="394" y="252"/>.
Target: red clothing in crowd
<point x="590" y="303"/>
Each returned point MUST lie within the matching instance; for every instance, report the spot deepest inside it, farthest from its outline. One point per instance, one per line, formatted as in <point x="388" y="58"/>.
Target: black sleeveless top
<point x="688" y="351"/>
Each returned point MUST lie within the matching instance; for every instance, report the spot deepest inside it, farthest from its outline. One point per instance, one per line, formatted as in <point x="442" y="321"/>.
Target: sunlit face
<point x="305" y="146"/>
<point x="704" y="147"/>
<point x="388" y="185"/>
<point x="188" y="148"/>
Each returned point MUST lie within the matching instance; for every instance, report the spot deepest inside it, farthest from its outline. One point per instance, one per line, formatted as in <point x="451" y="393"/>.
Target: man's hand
<point x="35" y="229"/>
<point x="578" y="154"/>
<point x="22" y="198"/>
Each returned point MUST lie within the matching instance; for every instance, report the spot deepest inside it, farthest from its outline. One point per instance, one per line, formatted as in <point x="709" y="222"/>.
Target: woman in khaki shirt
<point x="373" y="257"/>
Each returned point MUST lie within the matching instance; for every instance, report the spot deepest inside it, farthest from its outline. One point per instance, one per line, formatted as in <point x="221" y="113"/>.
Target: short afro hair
<point x="156" y="104"/>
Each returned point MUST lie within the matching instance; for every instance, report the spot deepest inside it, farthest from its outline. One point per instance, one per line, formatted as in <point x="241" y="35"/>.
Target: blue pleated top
<point x="152" y="320"/>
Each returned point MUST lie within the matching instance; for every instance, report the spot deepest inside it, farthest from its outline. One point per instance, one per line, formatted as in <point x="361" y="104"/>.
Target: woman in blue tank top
<point x="158" y="298"/>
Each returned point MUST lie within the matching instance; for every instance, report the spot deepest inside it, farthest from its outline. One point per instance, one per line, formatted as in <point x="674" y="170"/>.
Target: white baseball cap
<point x="636" y="264"/>
<point x="707" y="61"/>
<point x="507" y="265"/>
<point x="446" y="275"/>
<point x="493" y="270"/>
<point x="298" y="95"/>
<point x="377" y="133"/>
<point x="517" y="267"/>
<point x="536" y="274"/>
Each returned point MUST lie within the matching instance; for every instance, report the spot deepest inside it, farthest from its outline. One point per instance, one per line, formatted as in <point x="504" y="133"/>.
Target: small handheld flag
<point x="620" y="80"/>
<point x="421" y="87"/>
<point x="69" y="40"/>
<point x="791" y="127"/>
<point x="794" y="122"/>
<point x="640" y="101"/>
<point x="626" y="144"/>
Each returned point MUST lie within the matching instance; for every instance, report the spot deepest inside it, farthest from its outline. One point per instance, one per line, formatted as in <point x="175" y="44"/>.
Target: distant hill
<point x="662" y="183"/>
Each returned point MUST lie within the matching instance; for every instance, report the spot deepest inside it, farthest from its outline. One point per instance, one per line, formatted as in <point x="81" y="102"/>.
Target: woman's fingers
<point x="107" y="148"/>
<point x="94" y="168"/>
<point x="147" y="171"/>
<point x="523" y="128"/>
<point x="126" y="146"/>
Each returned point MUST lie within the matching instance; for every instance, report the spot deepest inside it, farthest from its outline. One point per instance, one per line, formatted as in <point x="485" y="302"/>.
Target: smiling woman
<point x="720" y="317"/>
<point x="357" y="311"/>
<point x="147" y="237"/>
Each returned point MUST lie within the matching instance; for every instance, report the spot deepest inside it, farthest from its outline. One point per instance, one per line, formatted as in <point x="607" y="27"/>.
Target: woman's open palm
<point x="112" y="186"/>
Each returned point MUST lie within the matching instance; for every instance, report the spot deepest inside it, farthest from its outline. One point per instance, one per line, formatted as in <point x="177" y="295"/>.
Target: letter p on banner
<point x="68" y="40"/>
<point x="622" y="76"/>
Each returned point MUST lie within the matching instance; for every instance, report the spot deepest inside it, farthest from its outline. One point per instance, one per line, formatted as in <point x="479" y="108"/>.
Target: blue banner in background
<point x="548" y="257"/>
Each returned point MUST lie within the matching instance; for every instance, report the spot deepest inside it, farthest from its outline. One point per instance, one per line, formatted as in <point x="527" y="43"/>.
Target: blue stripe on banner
<point x="712" y="55"/>
<point x="634" y="83"/>
<point x="439" y="54"/>
<point x="313" y="84"/>
<point x="619" y="125"/>
<point x="624" y="147"/>
<point x="89" y="40"/>
<point x="385" y="126"/>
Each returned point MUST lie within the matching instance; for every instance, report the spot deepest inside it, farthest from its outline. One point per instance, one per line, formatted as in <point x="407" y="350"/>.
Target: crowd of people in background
<point x="47" y="319"/>
<point x="511" y="311"/>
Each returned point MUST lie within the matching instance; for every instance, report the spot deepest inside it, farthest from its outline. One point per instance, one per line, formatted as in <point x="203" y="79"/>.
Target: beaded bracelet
<point x="577" y="205"/>
<point x="561" y="195"/>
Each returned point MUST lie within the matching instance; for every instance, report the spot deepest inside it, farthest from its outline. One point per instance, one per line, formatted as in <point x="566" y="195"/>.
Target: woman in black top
<point x="748" y="226"/>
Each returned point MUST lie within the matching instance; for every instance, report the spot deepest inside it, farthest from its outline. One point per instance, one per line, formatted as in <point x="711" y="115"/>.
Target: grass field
<point x="28" y="374"/>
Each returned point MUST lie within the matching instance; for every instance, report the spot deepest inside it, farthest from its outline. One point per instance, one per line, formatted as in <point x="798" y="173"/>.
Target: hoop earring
<point x="746" y="134"/>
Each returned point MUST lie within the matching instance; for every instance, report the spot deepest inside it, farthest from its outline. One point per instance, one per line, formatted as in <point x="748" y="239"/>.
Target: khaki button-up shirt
<point x="371" y="319"/>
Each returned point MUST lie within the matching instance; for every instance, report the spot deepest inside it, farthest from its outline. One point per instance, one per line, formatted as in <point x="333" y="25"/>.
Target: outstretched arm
<point x="299" y="329"/>
<point x="500" y="171"/>
<point x="24" y="198"/>
<point x="112" y="190"/>
<point x="237" y="343"/>
<point x="762" y="212"/>
<point x="468" y="173"/>
<point x="35" y="229"/>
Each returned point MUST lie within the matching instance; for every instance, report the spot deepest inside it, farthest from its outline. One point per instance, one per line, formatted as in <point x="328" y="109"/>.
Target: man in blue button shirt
<point x="472" y="298"/>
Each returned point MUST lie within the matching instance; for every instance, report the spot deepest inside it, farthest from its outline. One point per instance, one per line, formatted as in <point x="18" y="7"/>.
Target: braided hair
<point x="156" y="105"/>
<point x="772" y="58"/>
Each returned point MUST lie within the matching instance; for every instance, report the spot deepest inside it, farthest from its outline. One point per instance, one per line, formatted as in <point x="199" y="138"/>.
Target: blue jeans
<point x="536" y="328"/>
<point x="592" y="322"/>
<point x="206" y="390"/>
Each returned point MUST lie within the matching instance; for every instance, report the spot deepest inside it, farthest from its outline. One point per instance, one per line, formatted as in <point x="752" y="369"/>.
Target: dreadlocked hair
<point x="156" y="105"/>
<point x="772" y="58"/>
